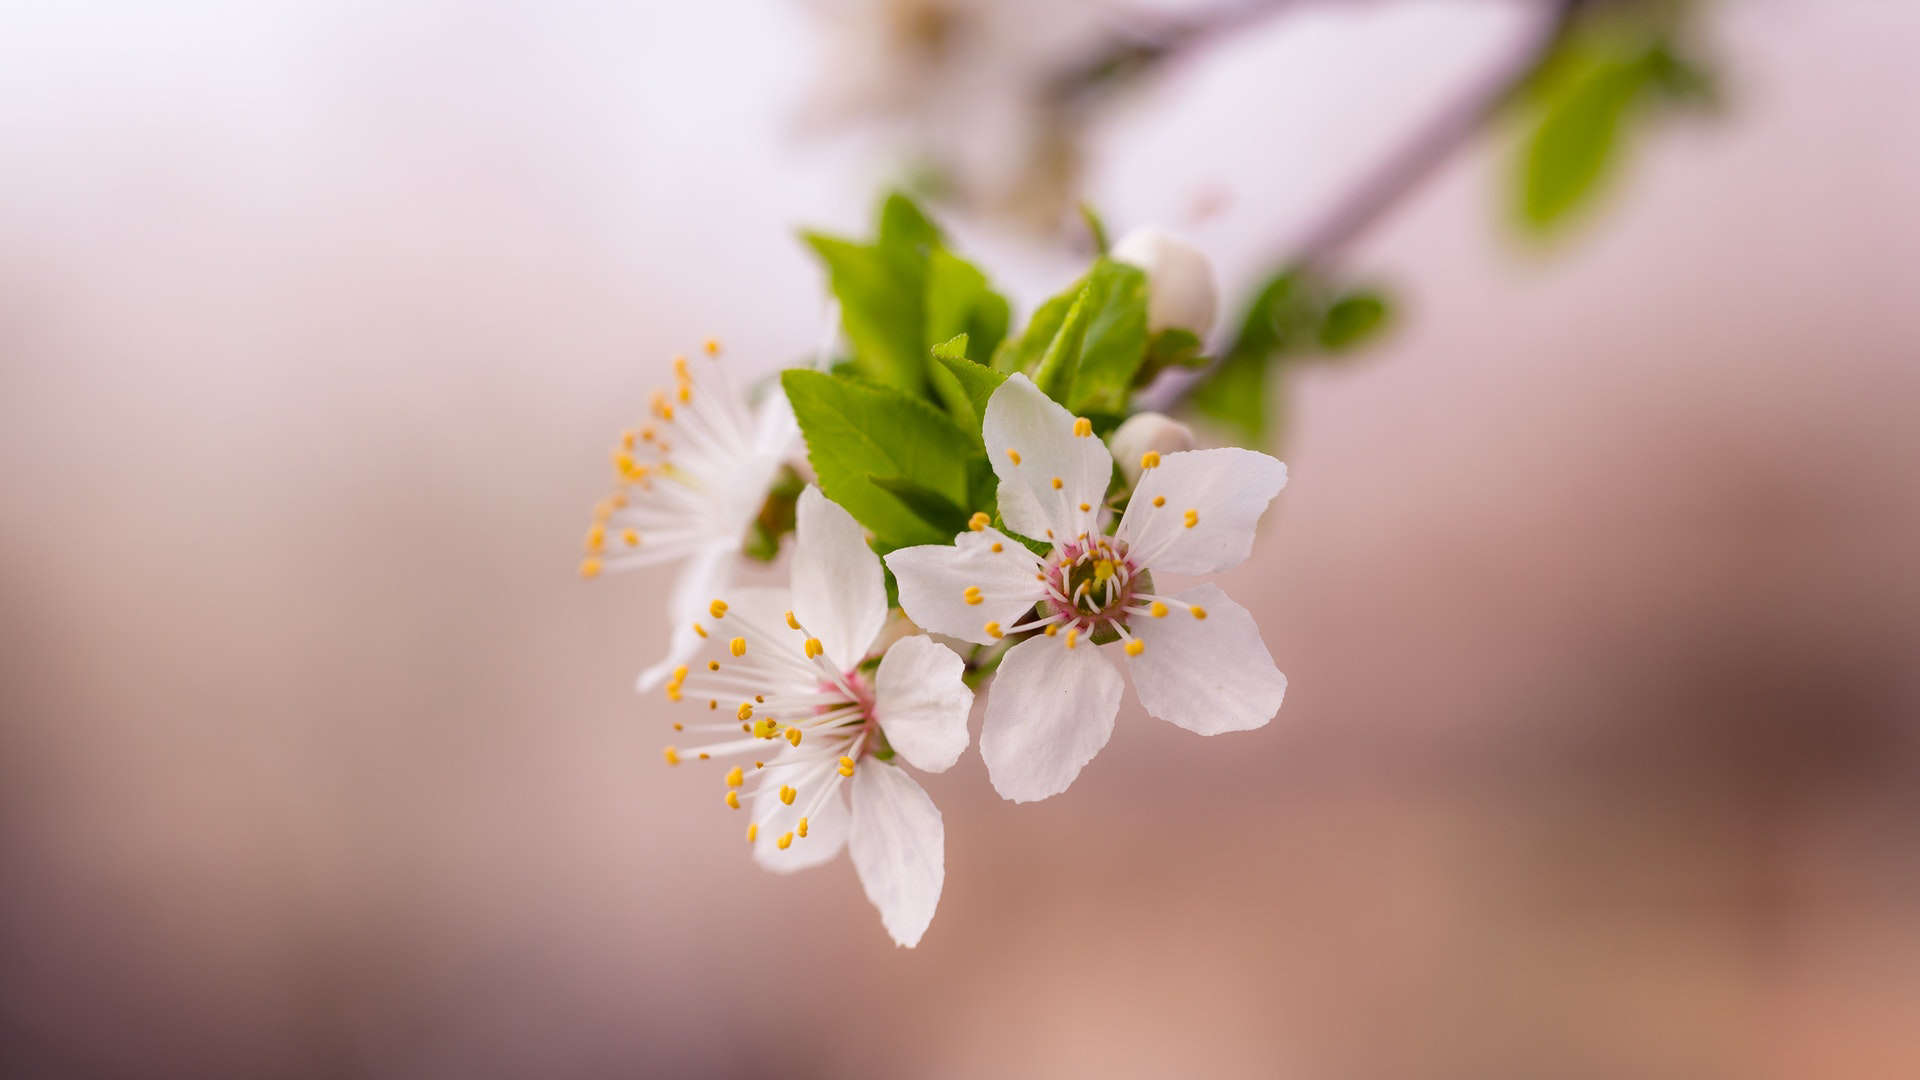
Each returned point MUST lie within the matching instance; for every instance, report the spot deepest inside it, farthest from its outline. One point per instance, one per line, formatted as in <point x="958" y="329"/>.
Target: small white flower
<point x="688" y="484"/>
<point x="1144" y="433"/>
<point x="785" y="671"/>
<point x="1196" y="657"/>
<point x="1180" y="290"/>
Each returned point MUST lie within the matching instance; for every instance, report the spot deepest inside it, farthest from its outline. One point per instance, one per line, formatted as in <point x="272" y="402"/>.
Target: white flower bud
<point x="1147" y="433"/>
<point x="1180" y="290"/>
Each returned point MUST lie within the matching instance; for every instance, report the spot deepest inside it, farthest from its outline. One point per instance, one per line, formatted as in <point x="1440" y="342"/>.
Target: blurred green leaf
<point x="1585" y="96"/>
<point x="855" y="430"/>
<point x="1115" y="345"/>
<point x="1096" y="228"/>
<point x="1172" y="347"/>
<point x="904" y="225"/>
<point x="881" y="290"/>
<point x="1023" y="353"/>
<point x="1284" y="312"/>
<point x="1353" y="320"/>
<point x="930" y="506"/>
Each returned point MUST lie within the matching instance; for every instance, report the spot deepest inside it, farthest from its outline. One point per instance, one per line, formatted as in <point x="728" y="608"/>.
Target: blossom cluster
<point x="982" y="514"/>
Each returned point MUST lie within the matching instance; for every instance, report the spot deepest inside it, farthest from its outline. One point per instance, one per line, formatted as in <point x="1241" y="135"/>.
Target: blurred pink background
<point x="1595" y="584"/>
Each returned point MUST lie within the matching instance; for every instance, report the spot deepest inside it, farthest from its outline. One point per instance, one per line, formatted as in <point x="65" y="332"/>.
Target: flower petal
<point x="1050" y="711"/>
<point x="934" y="579"/>
<point x="1021" y="421"/>
<point x="1207" y="675"/>
<point x="899" y="848"/>
<point x="704" y="577"/>
<point x="839" y="593"/>
<point x="826" y="828"/>
<point x="922" y="704"/>
<point x="1222" y="492"/>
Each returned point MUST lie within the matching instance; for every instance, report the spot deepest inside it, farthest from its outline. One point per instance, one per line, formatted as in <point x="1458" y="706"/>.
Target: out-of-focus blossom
<point x="788" y="669"/>
<point x="1180" y="289"/>
<point x="1147" y="433"/>
<point x="1196" y="656"/>
<point x="689" y="482"/>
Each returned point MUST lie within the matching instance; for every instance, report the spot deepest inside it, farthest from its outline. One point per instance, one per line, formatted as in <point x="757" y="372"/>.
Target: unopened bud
<point x="1143" y="438"/>
<point x="1180" y="292"/>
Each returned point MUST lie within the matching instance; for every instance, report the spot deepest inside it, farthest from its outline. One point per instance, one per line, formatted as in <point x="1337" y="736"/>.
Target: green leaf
<point x="961" y="305"/>
<point x="904" y="225"/>
<point x="856" y="430"/>
<point x="1096" y="228"/>
<point x="1353" y="319"/>
<point x="1115" y="345"/>
<point x="1576" y="145"/>
<point x="976" y="383"/>
<point x="930" y="506"/>
<point x="1282" y="314"/>
<point x="1025" y="352"/>
<point x="881" y="290"/>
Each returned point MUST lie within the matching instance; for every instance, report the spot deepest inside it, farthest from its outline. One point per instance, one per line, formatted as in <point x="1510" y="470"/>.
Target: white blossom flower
<point x="816" y="727"/>
<point x="1196" y="657"/>
<point x="688" y="484"/>
<point x="1180" y="289"/>
<point x="1145" y="433"/>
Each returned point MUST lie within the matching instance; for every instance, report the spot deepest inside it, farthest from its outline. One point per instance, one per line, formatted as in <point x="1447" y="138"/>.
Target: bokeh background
<point x="1595" y="583"/>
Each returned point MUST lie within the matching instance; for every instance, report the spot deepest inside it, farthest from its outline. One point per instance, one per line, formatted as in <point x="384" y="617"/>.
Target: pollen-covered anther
<point x="717" y="609"/>
<point x="846" y="765"/>
<point x="1058" y="483"/>
<point x="589" y="568"/>
<point x="713" y="665"/>
<point x="745" y="711"/>
<point x="979" y="521"/>
<point x="785" y="841"/>
<point x="698" y="629"/>
<point x="1082" y="427"/>
<point x="736" y="777"/>
<point x="971" y="594"/>
<point x="630" y="537"/>
<point x="1158" y="610"/>
<point x="733" y="799"/>
<point x="712" y="346"/>
<point x="1013" y="455"/>
<point x="800" y="829"/>
<point x="1084" y="507"/>
<point x="1136" y="647"/>
<point x="680" y="368"/>
<point x="793" y="735"/>
<point x="672" y="755"/>
<point x="792" y="623"/>
<point x="596" y="537"/>
<point x="1150" y="460"/>
<point x="1159" y="500"/>
<point x="1193" y="518"/>
<point x="814" y="648"/>
<point x="996" y="548"/>
<point x="1197" y="611"/>
<point x="1073" y="638"/>
<point x="766" y="728"/>
<point x="753" y="832"/>
<point x="786" y="794"/>
<point x="993" y="630"/>
<point x="738" y="646"/>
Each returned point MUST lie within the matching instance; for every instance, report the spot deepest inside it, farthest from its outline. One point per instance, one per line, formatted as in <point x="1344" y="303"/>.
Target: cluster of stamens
<point x="786" y="688"/>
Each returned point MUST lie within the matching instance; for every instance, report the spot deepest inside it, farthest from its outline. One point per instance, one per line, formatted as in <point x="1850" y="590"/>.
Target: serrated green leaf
<point x="1354" y="319"/>
<point x="904" y="225"/>
<point x="855" y="430"/>
<point x="1115" y="345"/>
<point x="930" y="506"/>
<point x="1054" y="376"/>
<point x="1024" y="353"/>
<point x="976" y="383"/>
<point x="881" y="290"/>
<point x="961" y="304"/>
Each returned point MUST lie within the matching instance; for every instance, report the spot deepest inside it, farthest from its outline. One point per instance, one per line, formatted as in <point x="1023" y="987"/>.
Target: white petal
<point x="922" y="704"/>
<point x="774" y="426"/>
<point x="899" y="848"/>
<point x="1050" y="710"/>
<point x="1226" y="490"/>
<point x="934" y="579"/>
<point x="702" y="579"/>
<point x="1207" y="675"/>
<point x="1022" y="419"/>
<point x="826" y="829"/>
<point x="839" y="592"/>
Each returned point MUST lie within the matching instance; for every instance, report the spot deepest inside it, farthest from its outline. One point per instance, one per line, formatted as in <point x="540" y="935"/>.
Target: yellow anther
<point x="678" y="726"/>
<point x="1159" y="610"/>
<point x="745" y="711"/>
<point x="1136" y="647"/>
<point x="713" y="665"/>
<point x="679" y="673"/>
<point x="630" y="537"/>
<point x="703" y="755"/>
<point x="698" y="629"/>
<point x="684" y="393"/>
<point x="1149" y="460"/>
<point x="1058" y="483"/>
<point x="1159" y="500"/>
<point x="996" y="549"/>
<point x="1013" y="455"/>
<point x="1102" y="570"/>
<point x="673" y="691"/>
<point x="993" y="630"/>
<point x="738" y="646"/>
<point x="786" y="794"/>
<point x="713" y="704"/>
<point x="589" y="568"/>
<point x="712" y="346"/>
<point x="1073" y="638"/>
<point x="1082" y="427"/>
<point x="672" y="755"/>
<point x="680" y="367"/>
<point x="1198" y="611"/>
<point x="979" y="521"/>
<point x="793" y="735"/>
<point x="1052" y="629"/>
<point x="766" y="728"/>
<point x="792" y="623"/>
<point x="627" y="439"/>
<point x="1084" y="507"/>
<point x="801" y="828"/>
<point x="596" y="537"/>
<point x="753" y="832"/>
<point x="1193" y="518"/>
<point x="814" y="648"/>
<point x="735" y="777"/>
<point x="971" y="594"/>
<point x="647" y="433"/>
<point x="786" y="840"/>
<point x="717" y="609"/>
<point x="733" y="799"/>
<point x="846" y="766"/>
<point x="624" y="462"/>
